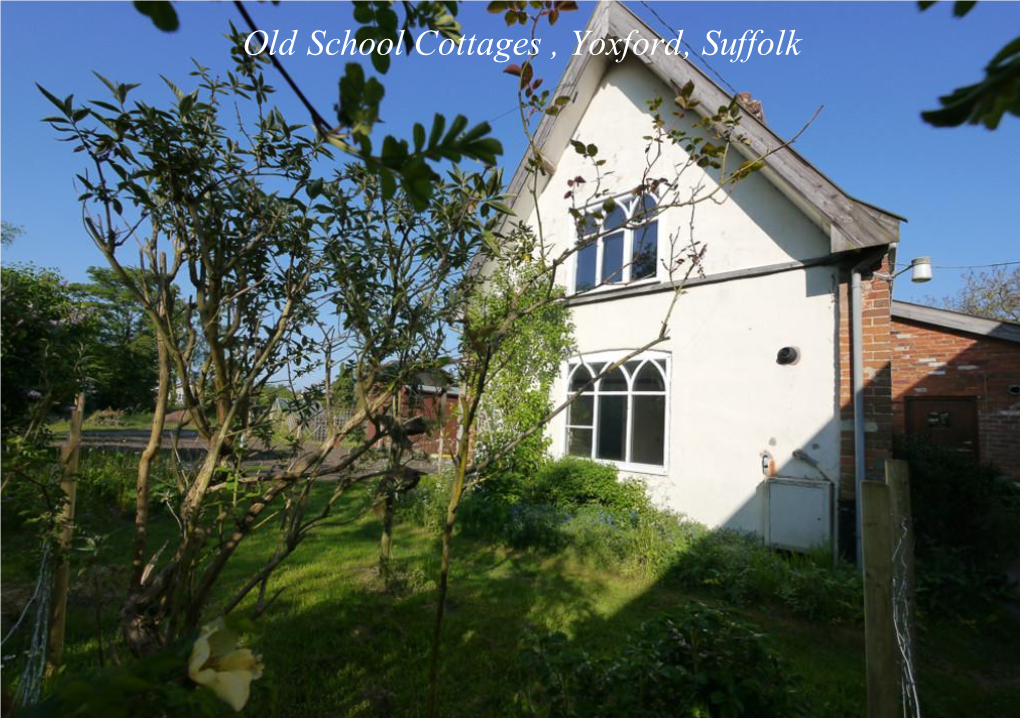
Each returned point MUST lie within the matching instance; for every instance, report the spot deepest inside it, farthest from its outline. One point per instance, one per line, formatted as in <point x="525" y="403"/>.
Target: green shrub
<point x="537" y="526"/>
<point x="966" y="523"/>
<point x="645" y="541"/>
<point x="580" y="504"/>
<point x="30" y="472"/>
<point x="571" y="482"/>
<point x="106" y="417"/>
<point x="106" y="480"/>
<point x="698" y="663"/>
<point x="426" y="504"/>
<point x="740" y="569"/>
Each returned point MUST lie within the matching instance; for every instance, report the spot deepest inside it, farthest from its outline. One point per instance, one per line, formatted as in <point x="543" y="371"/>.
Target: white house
<point x="723" y="424"/>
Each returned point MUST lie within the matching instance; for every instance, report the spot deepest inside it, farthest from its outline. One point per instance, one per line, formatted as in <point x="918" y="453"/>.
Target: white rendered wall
<point x="756" y="225"/>
<point x="729" y="399"/>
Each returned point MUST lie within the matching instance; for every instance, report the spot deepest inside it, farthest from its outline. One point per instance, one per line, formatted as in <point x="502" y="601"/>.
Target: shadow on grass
<point x="341" y="641"/>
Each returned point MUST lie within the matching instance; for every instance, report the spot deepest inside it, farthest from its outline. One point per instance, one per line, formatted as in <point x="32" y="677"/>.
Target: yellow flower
<point x="218" y="663"/>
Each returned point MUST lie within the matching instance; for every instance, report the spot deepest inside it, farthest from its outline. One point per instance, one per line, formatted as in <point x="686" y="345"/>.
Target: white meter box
<point x="799" y="513"/>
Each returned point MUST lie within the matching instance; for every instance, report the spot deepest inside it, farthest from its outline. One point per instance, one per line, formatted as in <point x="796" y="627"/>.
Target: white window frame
<point x="595" y="392"/>
<point x="628" y="232"/>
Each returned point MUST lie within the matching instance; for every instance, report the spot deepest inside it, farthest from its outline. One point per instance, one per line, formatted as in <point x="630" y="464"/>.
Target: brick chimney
<point x="752" y="105"/>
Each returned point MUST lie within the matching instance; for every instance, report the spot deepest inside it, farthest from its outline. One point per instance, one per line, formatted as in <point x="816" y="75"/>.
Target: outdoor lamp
<point x="921" y="267"/>
<point x="920" y="271"/>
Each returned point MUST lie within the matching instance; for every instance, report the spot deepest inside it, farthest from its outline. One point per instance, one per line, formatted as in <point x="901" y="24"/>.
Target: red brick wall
<point x="877" y="380"/>
<point x="933" y="361"/>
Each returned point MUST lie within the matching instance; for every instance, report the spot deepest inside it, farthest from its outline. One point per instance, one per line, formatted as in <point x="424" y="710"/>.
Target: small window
<point x="622" y="418"/>
<point x="581" y="413"/>
<point x="586" y="262"/>
<point x="612" y="258"/>
<point x="579" y="378"/>
<point x="646" y="238"/>
<point x="627" y="249"/>
<point x="649" y="378"/>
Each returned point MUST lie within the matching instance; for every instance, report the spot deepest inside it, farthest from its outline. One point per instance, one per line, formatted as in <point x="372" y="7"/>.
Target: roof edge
<point x="851" y="223"/>
<point x="956" y="321"/>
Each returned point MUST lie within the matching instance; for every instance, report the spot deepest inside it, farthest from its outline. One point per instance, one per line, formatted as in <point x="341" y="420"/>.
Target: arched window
<point x="626" y="251"/>
<point x="621" y="417"/>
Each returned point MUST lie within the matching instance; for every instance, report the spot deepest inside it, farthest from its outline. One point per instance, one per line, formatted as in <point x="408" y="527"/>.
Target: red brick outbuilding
<point x="956" y="380"/>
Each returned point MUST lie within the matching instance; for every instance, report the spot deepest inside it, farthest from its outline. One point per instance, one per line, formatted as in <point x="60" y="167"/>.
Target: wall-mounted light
<point x="920" y="271"/>
<point x="788" y="355"/>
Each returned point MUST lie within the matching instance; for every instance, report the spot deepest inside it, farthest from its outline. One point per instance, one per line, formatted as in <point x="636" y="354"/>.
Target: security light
<point x="920" y="271"/>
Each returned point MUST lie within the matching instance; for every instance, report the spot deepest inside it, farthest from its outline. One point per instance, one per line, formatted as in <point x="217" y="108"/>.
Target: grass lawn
<point x="338" y="643"/>
<point x="130" y="420"/>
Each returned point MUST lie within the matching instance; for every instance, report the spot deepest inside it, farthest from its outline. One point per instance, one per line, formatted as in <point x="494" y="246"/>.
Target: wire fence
<point x="903" y="616"/>
<point x="316" y="427"/>
<point x="38" y="608"/>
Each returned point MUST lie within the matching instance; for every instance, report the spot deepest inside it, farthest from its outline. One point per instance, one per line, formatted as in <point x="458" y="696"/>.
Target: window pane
<point x="579" y="413"/>
<point x="579" y="442"/>
<point x="643" y="208"/>
<point x="612" y="427"/>
<point x="615" y="219"/>
<point x="585" y="278"/>
<point x="649" y="379"/>
<point x="648" y="432"/>
<point x="579" y="378"/>
<point x="612" y="258"/>
<point x="587" y="225"/>
<point x="614" y="381"/>
<point x="645" y="254"/>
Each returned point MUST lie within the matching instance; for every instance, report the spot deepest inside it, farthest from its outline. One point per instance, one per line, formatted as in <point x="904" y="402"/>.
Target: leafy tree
<point x="518" y="396"/>
<point x="44" y="341"/>
<point x="122" y="362"/>
<point x="241" y="248"/>
<point x="396" y="161"/>
<point x="10" y="232"/>
<point x="984" y="102"/>
<point x="994" y="294"/>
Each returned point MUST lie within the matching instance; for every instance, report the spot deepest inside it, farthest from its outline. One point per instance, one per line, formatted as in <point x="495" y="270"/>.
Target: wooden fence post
<point x="69" y="454"/>
<point x="881" y="650"/>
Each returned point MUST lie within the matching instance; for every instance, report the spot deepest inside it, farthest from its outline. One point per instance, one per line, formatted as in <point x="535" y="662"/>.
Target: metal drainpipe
<point x="857" y="362"/>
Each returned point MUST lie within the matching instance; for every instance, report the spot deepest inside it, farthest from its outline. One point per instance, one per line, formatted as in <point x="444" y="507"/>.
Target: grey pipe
<point x="857" y="364"/>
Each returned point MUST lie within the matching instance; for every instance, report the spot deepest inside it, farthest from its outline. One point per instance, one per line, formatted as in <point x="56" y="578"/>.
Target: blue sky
<point x="874" y="67"/>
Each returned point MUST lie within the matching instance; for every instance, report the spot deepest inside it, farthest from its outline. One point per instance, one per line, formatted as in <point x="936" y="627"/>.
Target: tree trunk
<point x="145" y="467"/>
<point x="386" y="542"/>
<point x="444" y="568"/>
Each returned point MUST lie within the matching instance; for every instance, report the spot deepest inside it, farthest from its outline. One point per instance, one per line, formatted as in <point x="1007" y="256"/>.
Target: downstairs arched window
<point x="622" y="417"/>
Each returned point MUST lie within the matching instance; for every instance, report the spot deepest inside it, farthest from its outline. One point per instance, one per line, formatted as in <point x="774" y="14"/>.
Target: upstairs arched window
<point x="621" y="417"/>
<point x="626" y="249"/>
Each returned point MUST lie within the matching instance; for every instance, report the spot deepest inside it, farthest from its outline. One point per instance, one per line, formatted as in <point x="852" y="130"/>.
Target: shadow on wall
<point x="959" y="390"/>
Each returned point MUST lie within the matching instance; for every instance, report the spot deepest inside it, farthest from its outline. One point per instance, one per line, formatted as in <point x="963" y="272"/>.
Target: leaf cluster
<point x="984" y="102"/>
